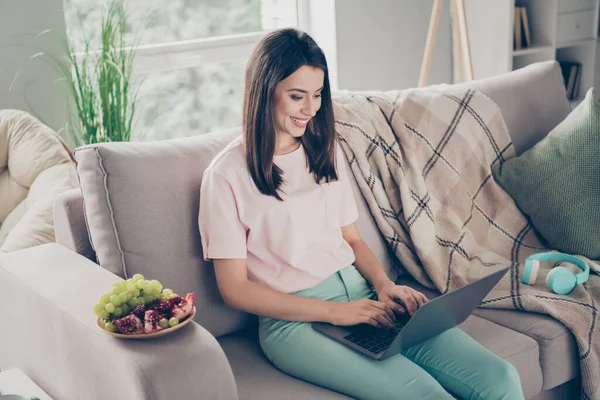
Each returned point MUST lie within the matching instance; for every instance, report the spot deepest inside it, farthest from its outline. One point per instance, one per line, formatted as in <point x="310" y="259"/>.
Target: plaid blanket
<point x="422" y="159"/>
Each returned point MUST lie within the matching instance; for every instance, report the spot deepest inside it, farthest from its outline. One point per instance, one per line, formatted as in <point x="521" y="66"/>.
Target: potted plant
<point x="100" y="83"/>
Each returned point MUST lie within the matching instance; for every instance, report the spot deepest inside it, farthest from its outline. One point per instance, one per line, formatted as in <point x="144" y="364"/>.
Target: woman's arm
<point x="240" y="293"/>
<point x="366" y="262"/>
<point x="388" y="292"/>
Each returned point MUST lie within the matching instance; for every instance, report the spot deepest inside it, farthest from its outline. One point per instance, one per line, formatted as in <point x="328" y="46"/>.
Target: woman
<point x="277" y="218"/>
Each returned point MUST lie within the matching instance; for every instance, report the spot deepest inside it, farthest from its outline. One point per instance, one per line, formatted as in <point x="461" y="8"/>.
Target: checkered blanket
<point x="422" y="159"/>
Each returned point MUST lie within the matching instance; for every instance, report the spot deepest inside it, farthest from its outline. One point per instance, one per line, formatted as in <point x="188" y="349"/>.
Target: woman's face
<point x="297" y="99"/>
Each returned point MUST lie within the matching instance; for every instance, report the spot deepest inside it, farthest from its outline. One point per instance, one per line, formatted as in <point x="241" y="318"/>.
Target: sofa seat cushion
<point x="517" y="348"/>
<point x="558" y="350"/>
<point x="250" y="366"/>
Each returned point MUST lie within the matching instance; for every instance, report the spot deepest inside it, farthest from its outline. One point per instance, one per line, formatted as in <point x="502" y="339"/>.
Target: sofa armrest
<point x="49" y="331"/>
<point x="70" y="228"/>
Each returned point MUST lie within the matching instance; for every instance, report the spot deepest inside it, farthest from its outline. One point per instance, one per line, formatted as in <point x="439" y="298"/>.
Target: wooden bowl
<point x="166" y="331"/>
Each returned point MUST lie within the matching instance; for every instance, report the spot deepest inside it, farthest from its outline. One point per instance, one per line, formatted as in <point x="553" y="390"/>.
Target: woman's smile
<point x="301" y="123"/>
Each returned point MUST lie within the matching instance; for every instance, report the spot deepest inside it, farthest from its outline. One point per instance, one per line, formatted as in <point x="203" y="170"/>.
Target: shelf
<point x="576" y="11"/>
<point x="532" y="49"/>
<point x="574" y="43"/>
<point x="559" y="31"/>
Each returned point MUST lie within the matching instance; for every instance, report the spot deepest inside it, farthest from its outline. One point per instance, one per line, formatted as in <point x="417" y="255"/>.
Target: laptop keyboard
<point x="374" y="339"/>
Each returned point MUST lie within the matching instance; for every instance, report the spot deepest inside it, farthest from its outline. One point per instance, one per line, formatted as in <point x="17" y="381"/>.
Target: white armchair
<point x="35" y="166"/>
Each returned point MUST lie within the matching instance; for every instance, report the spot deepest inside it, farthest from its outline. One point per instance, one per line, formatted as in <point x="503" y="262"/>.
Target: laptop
<point x="432" y="318"/>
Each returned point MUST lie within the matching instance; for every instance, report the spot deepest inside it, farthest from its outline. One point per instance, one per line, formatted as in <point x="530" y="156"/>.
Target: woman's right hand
<point x="365" y="311"/>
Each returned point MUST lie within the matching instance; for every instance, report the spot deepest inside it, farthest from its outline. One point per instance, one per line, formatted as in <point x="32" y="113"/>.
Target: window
<point x="191" y="57"/>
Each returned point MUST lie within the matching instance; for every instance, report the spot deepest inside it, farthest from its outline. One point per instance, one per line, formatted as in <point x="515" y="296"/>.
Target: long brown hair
<point x="278" y="55"/>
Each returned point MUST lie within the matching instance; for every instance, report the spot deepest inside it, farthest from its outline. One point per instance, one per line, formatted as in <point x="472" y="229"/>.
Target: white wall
<point x="380" y="44"/>
<point x="28" y="84"/>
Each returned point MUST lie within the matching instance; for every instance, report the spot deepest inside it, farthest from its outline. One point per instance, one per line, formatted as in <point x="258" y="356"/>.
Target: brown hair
<point x="278" y="55"/>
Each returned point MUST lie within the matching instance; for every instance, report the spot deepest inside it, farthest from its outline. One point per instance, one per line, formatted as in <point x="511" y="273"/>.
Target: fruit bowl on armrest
<point x="188" y="319"/>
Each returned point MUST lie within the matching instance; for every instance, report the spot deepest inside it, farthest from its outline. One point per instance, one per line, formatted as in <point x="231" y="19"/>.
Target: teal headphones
<point x="560" y="280"/>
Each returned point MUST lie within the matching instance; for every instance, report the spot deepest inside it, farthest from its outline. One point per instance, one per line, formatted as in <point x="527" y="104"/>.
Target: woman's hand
<point x="390" y="294"/>
<point x="363" y="311"/>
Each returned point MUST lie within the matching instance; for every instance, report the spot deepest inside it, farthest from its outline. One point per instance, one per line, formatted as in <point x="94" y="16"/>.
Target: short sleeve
<point x="222" y="233"/>
<point x="348" y="210"/>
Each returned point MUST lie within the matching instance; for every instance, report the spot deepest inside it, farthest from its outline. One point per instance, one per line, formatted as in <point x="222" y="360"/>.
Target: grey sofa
<point x="138" y="214"/>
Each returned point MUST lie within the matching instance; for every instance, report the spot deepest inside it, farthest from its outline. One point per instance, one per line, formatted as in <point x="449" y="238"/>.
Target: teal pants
<point x="450" y="364"/>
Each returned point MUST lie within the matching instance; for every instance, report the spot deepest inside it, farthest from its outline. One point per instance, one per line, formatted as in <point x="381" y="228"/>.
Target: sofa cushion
<point x="250" y="366"/>
<point x="557" y="182"/>
<point x="141" y="205"/>
<point x="559" y="358"/>
<point x="35" y="166"/>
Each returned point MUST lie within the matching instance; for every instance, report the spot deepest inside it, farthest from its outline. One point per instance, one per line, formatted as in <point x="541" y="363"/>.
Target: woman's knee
<point x="503" y="381"/>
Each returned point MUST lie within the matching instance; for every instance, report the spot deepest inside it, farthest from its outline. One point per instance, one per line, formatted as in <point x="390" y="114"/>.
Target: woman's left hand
<point x="390" y="293"/>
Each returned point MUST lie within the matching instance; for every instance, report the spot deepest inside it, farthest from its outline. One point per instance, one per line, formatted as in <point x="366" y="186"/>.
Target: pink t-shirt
<point x="289" y="245"/>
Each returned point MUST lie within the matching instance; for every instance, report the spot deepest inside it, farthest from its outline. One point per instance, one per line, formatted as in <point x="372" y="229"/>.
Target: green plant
<point x="101" y="83"/>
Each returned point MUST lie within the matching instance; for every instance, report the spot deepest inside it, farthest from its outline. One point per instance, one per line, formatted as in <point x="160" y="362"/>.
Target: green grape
<point x="116" y="300"/>
<point x="105" y="298"/>
<point x="109" y="326"/>
<point x="118" y="311"/>
<point x="104" y="315"/>
<point x="138" y="277"/>
<point x="148" y="298"/>
<point x="164" y="323"/>
<point x="173" y="321"/>
<point x="137" y="293"/>
<point x="142" y="283"/>
<point x="98" y="309"/>
<point x="155" y="285"/>
<point x="147" y="290"/>
<point x="173" y="295"/>
<point x="132" y="302"/>
<point x="110" y="307"/>
<point x="167" y="292"/>
<point x="123" y="297"/>
<point x="131" y="287"/>
<point x="126" y="309"/>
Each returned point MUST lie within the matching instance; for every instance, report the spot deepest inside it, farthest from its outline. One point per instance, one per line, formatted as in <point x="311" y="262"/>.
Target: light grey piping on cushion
<point x="112" y="214"/>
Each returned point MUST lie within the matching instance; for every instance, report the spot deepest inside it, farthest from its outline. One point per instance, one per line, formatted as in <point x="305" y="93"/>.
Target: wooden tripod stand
<point x="461" y="49"/>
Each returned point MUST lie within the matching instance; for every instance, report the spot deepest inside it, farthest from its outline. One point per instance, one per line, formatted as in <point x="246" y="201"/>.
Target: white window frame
<point x="193" y="53"/>
<point x="162" y="57"/>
